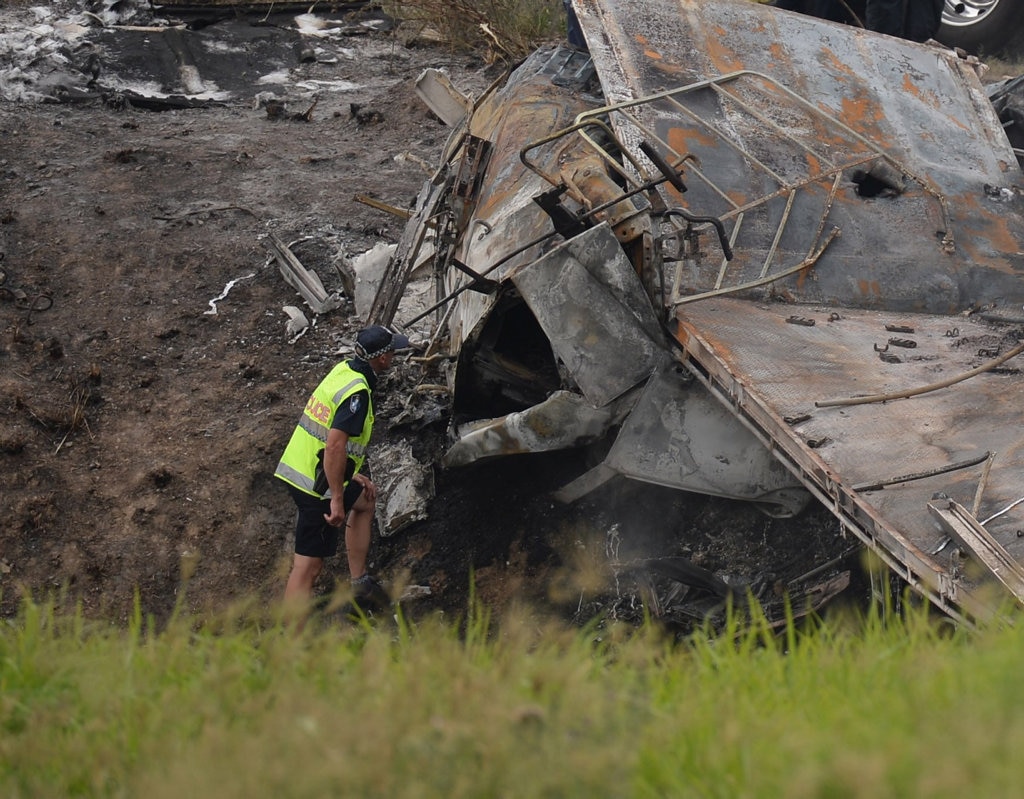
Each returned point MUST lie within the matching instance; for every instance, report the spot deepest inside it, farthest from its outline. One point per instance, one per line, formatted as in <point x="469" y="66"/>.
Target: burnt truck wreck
<point x="760" y="256"/>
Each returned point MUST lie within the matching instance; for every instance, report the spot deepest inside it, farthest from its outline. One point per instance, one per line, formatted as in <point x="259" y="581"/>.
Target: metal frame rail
<point x="900" y="555"/>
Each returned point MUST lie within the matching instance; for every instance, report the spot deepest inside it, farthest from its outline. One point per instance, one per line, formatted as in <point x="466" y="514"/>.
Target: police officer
<point x="322" y="467"/>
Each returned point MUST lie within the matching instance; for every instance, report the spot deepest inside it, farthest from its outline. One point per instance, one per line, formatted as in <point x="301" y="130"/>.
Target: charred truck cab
<point x="758" y="256"/>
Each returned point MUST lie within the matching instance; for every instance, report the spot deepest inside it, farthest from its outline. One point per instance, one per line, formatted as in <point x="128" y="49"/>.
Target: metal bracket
<point x="968" y="531"/>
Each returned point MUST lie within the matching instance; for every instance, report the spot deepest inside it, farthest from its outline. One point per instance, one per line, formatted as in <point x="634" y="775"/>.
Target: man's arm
<point x="335" y="460"/>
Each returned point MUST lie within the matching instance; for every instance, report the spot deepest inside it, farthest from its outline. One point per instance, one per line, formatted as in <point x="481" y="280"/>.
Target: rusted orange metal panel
<point x="812" y="100"/>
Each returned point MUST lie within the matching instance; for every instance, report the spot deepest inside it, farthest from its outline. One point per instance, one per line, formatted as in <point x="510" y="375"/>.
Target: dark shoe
<point x="368" y="593"/>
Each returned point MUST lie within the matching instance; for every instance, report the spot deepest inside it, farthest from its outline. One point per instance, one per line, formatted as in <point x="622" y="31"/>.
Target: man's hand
<point x="369" y="489"/>
<point x="336" y="518"/>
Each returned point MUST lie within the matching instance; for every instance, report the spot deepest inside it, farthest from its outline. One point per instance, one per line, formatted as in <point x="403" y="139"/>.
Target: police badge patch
<point x="353" y="404"/>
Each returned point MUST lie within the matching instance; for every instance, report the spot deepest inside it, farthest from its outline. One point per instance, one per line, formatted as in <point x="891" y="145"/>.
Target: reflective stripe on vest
<point x="298" y="465"/>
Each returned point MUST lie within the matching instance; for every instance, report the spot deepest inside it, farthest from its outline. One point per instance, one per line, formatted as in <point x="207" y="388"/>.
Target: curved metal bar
<point x="906" y="478"/>
<point x="723" y="237"/>
<point x="809" y="261"/>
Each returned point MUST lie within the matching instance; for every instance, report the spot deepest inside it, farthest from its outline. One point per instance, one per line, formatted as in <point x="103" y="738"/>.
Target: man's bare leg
<point x="357" y="535"/>
<point x="304" y="572"/>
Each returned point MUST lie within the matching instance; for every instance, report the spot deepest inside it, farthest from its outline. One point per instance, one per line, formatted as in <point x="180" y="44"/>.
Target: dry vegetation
<point x="504" y="30"/>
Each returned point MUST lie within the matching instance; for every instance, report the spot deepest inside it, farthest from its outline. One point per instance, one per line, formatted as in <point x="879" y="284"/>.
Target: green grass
<point x="248" y="707"/>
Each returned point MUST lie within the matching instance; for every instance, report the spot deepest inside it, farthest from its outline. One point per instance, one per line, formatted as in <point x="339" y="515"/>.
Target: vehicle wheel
<point x="983" y="27"/>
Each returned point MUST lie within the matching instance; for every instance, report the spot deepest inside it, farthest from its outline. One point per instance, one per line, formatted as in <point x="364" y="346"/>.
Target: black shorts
<point x="314" y="537"/>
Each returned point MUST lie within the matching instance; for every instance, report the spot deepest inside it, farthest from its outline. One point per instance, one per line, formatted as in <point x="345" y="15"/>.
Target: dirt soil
<point x="139" y="431"/>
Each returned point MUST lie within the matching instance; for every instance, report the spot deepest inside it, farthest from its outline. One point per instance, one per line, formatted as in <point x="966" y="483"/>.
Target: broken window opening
<point x="509" y="367"/>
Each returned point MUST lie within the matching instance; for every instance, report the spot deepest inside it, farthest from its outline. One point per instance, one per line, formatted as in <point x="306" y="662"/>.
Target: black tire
<point x="984" y="27"/>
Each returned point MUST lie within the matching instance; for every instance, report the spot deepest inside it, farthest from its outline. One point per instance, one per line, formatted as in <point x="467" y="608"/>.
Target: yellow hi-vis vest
<point x="302" y="461"/>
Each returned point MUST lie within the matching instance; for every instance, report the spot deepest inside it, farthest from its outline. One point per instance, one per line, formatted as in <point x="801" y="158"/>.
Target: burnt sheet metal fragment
<point x="678" y="595"/>
<point x="678" y="436"/>
<point x="589" y="301"/>
<point x="685" y="571"/>
<point x="562" y="421"/>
